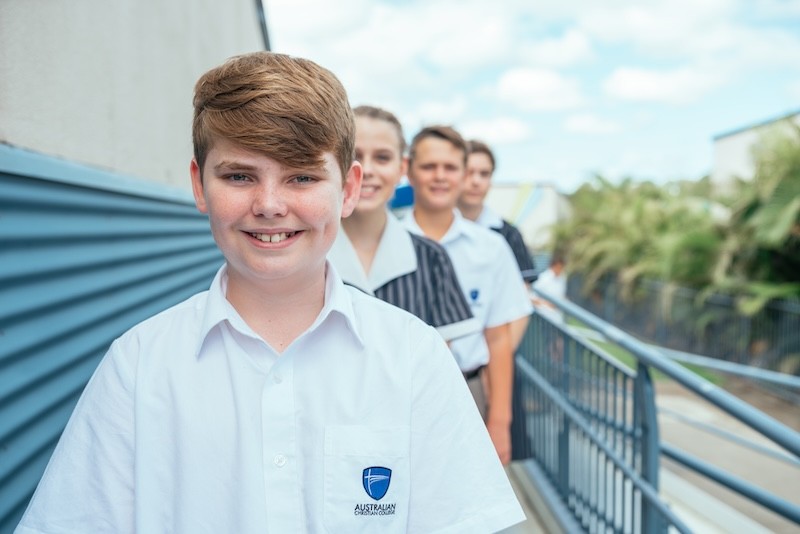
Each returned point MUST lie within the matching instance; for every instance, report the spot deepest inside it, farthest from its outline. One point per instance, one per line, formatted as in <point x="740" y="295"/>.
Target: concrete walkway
<point x="698" y="428"/>
<point x="533" y="523"/>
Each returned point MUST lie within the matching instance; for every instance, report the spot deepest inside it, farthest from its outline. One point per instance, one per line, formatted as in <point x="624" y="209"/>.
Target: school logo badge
<point x="376" y="481"/>
<point x="474" y="295"/>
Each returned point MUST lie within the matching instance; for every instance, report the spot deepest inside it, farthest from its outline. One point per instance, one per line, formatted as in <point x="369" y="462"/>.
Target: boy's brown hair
<point x="381" y="114"/>
<point x="446" y="133"/>
<point x="479" y="147"/>
<point x="285" y="107"/>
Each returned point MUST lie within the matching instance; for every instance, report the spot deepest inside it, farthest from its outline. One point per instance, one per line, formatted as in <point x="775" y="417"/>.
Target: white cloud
<point x="678" y="86"/>
<point x="300" y="24"/>
<point x="487" y="66"/>
<point x="497" y="130"/>
<point x="572" y="47"/>
<point x="590" y="124"/>
<point x="668" y="27"/>
<point x="428" y="112"/>
<point x="480" y="35"/>
<point x="711" y="32"/>
<point x="538" y="89"/>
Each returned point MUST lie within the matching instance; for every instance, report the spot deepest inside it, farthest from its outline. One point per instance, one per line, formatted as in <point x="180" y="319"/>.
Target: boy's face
<point x="437" y="174"/>
<point x="479" y="178"/>
<point x="378" y="151"/>
<point x="270" y="221"/>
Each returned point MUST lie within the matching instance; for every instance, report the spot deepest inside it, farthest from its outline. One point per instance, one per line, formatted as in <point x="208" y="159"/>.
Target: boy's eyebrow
<point x="234" y="165"/>
<point x="226" y="165"/>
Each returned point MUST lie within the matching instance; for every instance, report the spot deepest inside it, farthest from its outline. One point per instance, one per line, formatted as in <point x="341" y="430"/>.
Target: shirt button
<point x="280" y="460"/>
<point x="277" y="378"/>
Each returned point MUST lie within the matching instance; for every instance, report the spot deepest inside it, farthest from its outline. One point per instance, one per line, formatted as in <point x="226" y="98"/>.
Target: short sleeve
<point x="447" y="309"/>
<point x="512" y="301"/>
<point x="524" y="261"/>
<point x="88" y="485"/>
<point x="459" y="484"/>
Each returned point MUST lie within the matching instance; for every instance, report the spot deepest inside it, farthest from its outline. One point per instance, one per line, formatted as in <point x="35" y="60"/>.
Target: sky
<point x="561" y="89"/>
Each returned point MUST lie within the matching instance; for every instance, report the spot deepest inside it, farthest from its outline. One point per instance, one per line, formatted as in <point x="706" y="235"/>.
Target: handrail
<point x="650" y="493"/>
<point x="778" y="432"/>
<point x="743" y="487"/>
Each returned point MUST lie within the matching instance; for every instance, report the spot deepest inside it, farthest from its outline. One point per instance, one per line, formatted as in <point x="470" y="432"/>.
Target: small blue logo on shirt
<point x="376" y="481"/>
<point x="474" y="295"/>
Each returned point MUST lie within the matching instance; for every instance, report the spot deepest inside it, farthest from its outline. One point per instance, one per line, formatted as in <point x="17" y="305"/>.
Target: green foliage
<point x="746" y="245"/>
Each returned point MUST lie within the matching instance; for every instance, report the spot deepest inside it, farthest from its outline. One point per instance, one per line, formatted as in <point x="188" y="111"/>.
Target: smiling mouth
<point x="274" y="238"/>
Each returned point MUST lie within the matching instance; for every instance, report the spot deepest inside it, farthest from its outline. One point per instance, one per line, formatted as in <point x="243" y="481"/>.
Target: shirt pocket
<point x="366" y="479"/>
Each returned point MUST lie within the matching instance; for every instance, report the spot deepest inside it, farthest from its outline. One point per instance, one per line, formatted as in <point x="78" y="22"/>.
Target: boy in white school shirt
<point x="279" y="400"/>
<point x="486" y="270"/>
<point x="471" y="204"/>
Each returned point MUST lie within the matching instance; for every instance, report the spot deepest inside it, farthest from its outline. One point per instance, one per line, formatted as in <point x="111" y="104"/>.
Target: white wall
<point x="109" y="82"/>
<point x="733" y="153"/>
<point x="533" y="208"/>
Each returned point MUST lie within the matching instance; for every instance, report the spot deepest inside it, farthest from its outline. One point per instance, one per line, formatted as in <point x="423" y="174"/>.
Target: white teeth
<point x="273" y="238"/>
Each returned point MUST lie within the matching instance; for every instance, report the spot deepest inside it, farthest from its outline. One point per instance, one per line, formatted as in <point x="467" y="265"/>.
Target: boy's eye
<point x="303" y="179"/>
<point x="237" y="177"/>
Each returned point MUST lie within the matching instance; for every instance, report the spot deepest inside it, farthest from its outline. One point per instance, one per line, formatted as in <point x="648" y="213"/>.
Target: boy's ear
<point x="197" y="187"/>
<point x="404" y="166"/>
<point x="352" y="188"/>
<point x="410" y="174"/>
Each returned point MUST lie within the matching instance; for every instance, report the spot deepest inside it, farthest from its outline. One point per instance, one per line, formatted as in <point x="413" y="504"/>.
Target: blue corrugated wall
<point x="84" y="255"/>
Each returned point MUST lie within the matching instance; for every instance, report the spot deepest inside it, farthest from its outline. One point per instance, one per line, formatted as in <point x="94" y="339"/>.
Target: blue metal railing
<point x="589" y="424"/>
<point x="763" y="347"/>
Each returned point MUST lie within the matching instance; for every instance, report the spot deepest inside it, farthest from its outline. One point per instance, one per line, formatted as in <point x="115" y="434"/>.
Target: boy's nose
<point x="366" y="164"/>
<point x="269" y="201"/>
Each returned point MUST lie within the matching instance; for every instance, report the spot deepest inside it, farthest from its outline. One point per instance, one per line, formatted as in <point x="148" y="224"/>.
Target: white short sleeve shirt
<point x="193" y="424"/>
<point x="490" y="279"/>
<point x="552" y="284"/>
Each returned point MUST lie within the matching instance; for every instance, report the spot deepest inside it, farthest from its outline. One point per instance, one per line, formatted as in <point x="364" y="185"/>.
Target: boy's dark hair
<point x="479" y="147"/>
<point x="287" y="108"/>
<point x="558" y="256"/>
<point x="446" y="133"/>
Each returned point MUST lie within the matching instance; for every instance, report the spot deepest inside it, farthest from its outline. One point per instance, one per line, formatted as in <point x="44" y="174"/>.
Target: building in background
<point x="532" y="207"/>
<point x="733" y="151"/>
<point x="109" y="84"/>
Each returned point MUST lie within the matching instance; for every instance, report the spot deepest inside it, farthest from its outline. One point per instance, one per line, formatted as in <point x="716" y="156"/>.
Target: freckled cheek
<point x="322" y="214"/>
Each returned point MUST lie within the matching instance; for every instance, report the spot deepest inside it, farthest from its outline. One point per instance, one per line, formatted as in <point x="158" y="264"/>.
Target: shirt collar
<point x="337" y="301"/>
<point x="460" y="227"/>
<point x="489" y="218"/>
<point x="217" y="306"/>
<point x="218" y="309"/>
<point x="394" y="257"/>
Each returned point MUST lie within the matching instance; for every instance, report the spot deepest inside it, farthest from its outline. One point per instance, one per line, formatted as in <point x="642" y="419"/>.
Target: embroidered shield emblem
<point x="376" y="481"/>
<point x="474" y="294"/>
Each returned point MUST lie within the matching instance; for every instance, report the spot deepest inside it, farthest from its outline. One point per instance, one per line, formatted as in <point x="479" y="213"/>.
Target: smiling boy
<point x="485" y="268"/>
<point x="279" y="400"/>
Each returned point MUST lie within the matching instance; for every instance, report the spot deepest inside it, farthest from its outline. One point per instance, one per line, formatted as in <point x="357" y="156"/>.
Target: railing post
<point x="645" y="417"/>
<point x="563" y="369"/>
